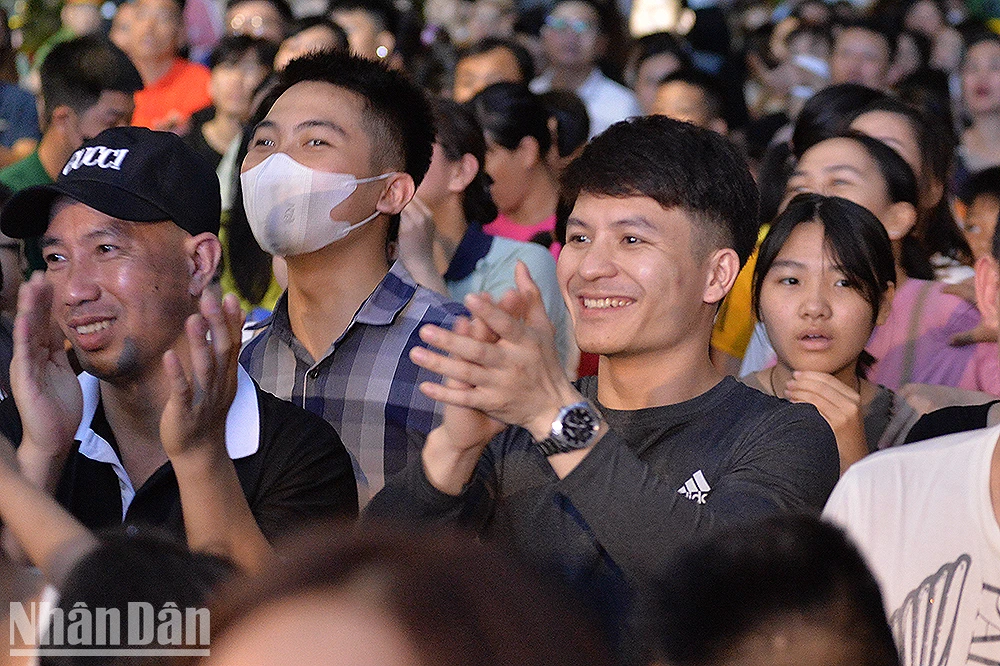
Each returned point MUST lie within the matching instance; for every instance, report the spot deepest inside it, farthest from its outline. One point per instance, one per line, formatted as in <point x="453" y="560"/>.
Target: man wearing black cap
<point x="129" y="240"/>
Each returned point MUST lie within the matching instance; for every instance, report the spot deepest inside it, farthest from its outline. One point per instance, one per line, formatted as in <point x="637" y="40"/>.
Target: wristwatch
<point x="575" y="428"/>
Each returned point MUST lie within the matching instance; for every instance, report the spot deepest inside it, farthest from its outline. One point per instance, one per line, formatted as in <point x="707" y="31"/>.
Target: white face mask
<point x="288" y="205"/>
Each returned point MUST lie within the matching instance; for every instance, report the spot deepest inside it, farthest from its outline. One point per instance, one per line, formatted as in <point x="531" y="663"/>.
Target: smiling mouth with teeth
<point x="93" y="328"/>
<point x="602" y="303"/>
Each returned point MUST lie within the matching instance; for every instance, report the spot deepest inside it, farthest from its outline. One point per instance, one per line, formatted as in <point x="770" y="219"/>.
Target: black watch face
<point x="579" y="425"/>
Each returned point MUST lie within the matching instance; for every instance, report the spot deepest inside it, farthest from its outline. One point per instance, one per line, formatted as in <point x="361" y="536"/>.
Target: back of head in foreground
<point x="785" y="590"/>
<point x="677" y="165"/>
<point x="387" y="596"/>
<point x="137" y="566"/>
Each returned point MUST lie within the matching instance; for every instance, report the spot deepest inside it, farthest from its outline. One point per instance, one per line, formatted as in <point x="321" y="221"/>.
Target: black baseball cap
<point x="130" y="173"/>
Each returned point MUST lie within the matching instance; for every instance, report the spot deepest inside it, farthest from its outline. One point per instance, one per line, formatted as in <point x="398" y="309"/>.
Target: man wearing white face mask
<point x="338" y="151"/>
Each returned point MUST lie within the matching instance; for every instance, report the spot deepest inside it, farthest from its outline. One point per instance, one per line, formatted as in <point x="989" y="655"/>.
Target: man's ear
<point x="886" y="305"/>
<point x="724" y="266"/>
<point x="61" y="115"/>
<point x="398" y="191"/>
<point x="899" y="219"/>
<point x="204" y="253"/>
<point x="988" y="290"/>
<point x="463" y="172"/>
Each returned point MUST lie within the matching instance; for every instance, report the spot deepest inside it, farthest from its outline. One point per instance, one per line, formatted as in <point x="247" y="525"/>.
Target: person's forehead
<point x="985" y="49"/>
<point x="603" y="210"/>
<point x="836" y="152"/>
<point x="572" y="9"/>
<point x="69" y="216"/>
<point x="318" y="98"/>
<point x="355" y="19"/>
<point x="495" y="59"/>
<point x="152" y="5"/>
<point x="253" y="7"/>
<point x="861" y="38"/>
<point x="315" y="33"/>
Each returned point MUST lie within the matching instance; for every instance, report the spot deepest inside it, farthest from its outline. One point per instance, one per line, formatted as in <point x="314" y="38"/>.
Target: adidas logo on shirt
<point x="696" y="488"/>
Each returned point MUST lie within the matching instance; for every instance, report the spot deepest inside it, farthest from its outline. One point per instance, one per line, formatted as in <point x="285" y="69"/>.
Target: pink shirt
<point x="913" y="344"/>
<point x="508" y="228"/>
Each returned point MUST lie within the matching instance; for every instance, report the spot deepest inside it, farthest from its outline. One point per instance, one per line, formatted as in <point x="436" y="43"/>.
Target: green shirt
<point x="24" y="173"/>
<point x="21" y="175"/>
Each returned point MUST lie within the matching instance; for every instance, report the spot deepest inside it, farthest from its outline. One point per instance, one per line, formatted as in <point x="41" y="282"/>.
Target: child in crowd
<point x="824" y="278"/>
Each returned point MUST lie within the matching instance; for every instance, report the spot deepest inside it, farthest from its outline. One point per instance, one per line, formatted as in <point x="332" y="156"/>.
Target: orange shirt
<point x="168" y="103"/>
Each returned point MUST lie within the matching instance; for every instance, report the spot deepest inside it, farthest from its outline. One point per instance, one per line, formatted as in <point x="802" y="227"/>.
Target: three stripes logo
<point x="696" y="488"/>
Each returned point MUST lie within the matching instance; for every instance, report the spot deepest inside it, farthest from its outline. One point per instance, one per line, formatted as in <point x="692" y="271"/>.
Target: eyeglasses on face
<point x="577" y="26"/>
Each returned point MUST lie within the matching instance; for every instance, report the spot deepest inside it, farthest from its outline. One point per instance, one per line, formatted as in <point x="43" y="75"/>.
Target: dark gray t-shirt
<point x="660" y="477"/>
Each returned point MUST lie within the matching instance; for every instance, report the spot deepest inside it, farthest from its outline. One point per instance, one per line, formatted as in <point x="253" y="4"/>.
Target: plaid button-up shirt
<point x="365" y="384"/>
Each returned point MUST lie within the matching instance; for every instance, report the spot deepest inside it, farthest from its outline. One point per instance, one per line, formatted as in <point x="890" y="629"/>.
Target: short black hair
<point x="572" y="119"/>
<point x="76" y="72"/>
<point x="138" y="564"/>
<point x="525" y="62"/>
<point x="752" y="578"/>
<point x="307" y="22"/>
<point x="868" y="26"/>
<point x="857" y="240"/>
<point x="656" y="44"/>
<point x="985" y="183"/>
<point x="396" y="114"/>
<point x="231" y="49"/>
<point x="508" y="112"/>
<point x="706" y="83"/>
<point x="459" y="134"/>
<point x="825" y="114"/>
<point x="677" y="165"/>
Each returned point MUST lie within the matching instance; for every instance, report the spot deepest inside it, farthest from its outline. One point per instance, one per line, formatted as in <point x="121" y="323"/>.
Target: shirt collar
<point x="475" y="245"/>
<point x="242" y="421"/>
<point x="379" y="309"/>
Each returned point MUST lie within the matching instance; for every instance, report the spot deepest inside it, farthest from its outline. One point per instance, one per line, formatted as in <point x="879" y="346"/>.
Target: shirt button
<point x="313" y="374"/>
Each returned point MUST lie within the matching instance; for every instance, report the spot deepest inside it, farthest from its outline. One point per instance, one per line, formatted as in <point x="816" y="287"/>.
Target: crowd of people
<point x="503" y="332"/>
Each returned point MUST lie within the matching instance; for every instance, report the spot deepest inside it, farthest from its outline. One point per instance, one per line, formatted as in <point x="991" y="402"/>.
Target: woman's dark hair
<point x="139" y="564"/>
<point x="231" y="49"/>
<point x="856" y="239"/>
<point x="456" y="602"/>
<point x="901" y="186"/>
<point x="750" y="579"/>
<point x="508" y="112"/>
<point x="936" y="227"/>
<point x="572" y="120"/>
<point x="459" y="134"/>
<point x="823" y="115"/>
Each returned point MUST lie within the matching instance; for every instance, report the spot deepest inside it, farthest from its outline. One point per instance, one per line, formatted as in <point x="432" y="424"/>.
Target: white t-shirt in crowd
<point x="923" y="518"/>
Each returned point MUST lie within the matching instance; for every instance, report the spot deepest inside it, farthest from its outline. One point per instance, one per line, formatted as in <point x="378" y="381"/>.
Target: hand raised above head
<point x="45" y="388"/>
<point x="202" y="379"/>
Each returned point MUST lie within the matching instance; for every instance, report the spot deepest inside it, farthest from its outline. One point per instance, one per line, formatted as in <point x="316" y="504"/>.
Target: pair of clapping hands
<point x="202" y="377"/>
<point x="500" y="367"/>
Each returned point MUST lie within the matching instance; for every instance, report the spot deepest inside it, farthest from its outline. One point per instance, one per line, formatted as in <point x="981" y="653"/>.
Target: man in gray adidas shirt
<point x="599" y="481"/>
